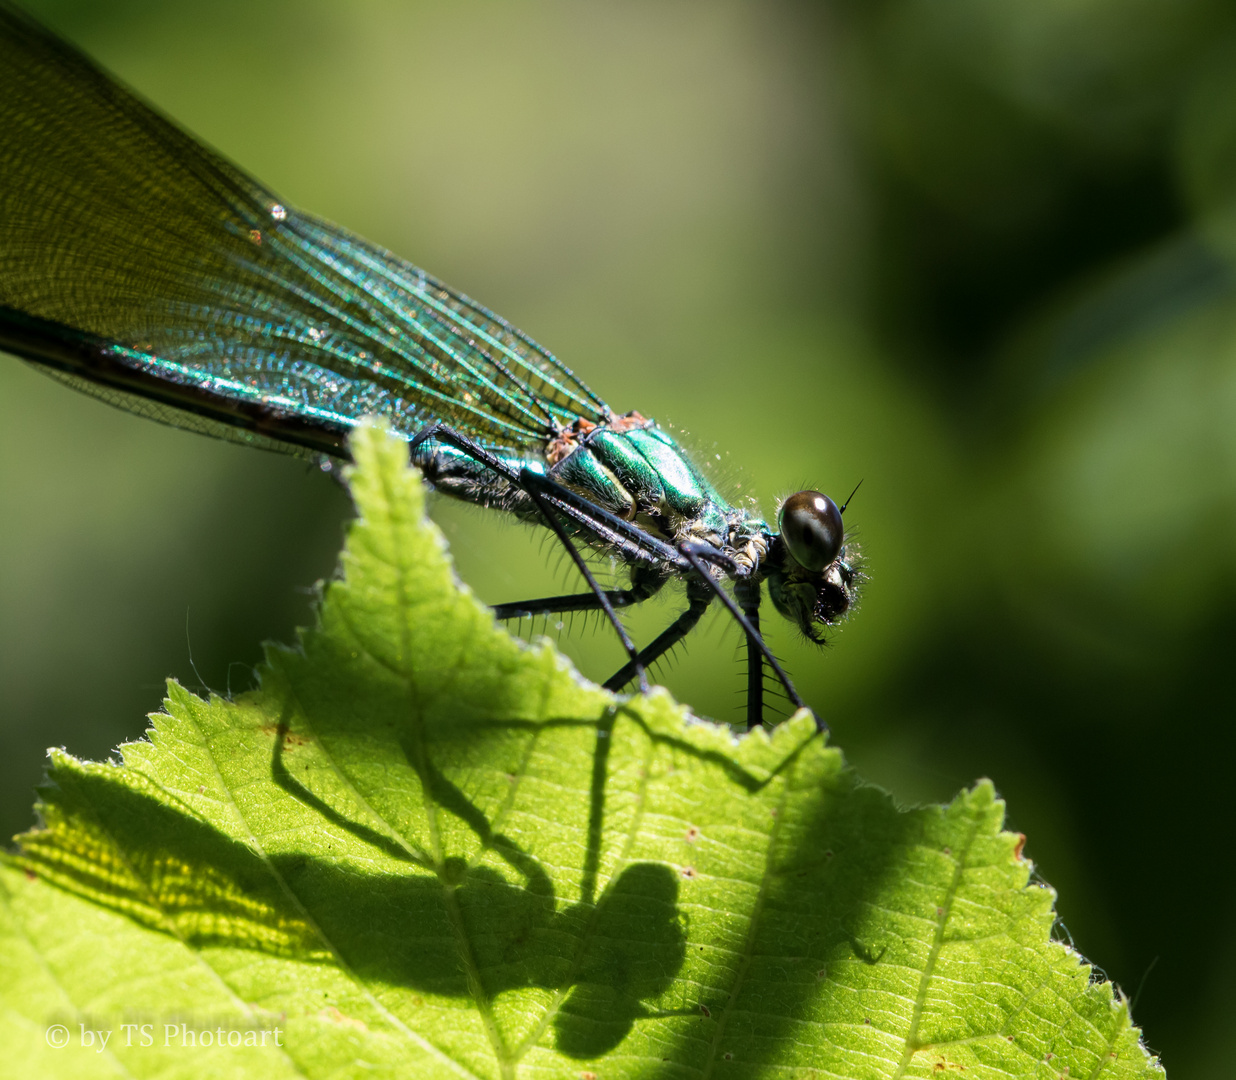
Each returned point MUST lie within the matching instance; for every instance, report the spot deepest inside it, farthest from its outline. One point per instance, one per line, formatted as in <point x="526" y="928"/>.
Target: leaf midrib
<point x="911" y="1045"/>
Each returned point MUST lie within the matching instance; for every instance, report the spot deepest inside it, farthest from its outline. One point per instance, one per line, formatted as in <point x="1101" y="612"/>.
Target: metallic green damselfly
<point x="140" y="266"/>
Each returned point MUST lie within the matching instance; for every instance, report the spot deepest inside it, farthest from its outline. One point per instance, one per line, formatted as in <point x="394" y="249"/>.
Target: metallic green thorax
<point x="626" y="465"/>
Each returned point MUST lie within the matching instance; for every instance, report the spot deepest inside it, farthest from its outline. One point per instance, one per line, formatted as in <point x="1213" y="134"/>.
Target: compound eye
<point x="811" y="528"/>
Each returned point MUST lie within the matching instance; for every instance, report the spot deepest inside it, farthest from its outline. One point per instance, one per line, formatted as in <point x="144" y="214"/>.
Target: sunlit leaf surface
<point x="423" y="849"/>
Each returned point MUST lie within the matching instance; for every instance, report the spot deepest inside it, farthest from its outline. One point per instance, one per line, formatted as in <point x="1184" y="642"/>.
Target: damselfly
<point x="139" y="266"/>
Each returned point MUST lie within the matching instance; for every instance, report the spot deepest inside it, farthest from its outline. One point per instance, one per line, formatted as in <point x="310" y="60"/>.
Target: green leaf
<point x="424" y="849"/>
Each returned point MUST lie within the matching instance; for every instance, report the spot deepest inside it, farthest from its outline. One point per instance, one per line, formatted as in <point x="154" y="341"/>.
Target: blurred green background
<point x="979" y="256"/>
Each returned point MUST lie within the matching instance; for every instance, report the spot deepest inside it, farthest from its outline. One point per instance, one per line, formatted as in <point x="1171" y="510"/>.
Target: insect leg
<point x="643" y="586"/>
<point x="698" y="599"/>
<point x="551" y="519"/>
<point x="688" y="549"/>
<point x="549" y="507"/>
<point x="747" y="593"/>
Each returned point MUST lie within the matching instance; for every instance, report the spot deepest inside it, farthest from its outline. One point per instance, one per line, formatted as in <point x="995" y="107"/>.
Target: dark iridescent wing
<point x="141" y="266"/>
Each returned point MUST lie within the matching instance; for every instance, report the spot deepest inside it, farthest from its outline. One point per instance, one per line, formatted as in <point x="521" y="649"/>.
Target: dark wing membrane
<point x="143" y="266"/>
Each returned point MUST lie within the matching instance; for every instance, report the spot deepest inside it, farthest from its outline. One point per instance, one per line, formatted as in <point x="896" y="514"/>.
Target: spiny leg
<point x="689" y="550"/>
<point x="747" y="593"/>
<point x="551" y="519"/>
<point x="549" y="507"/>
<point x="698" y="599"/>
<point x="643" y="585"/>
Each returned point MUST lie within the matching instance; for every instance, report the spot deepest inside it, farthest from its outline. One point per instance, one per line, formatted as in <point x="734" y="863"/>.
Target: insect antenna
<point x="841" y="508"/>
